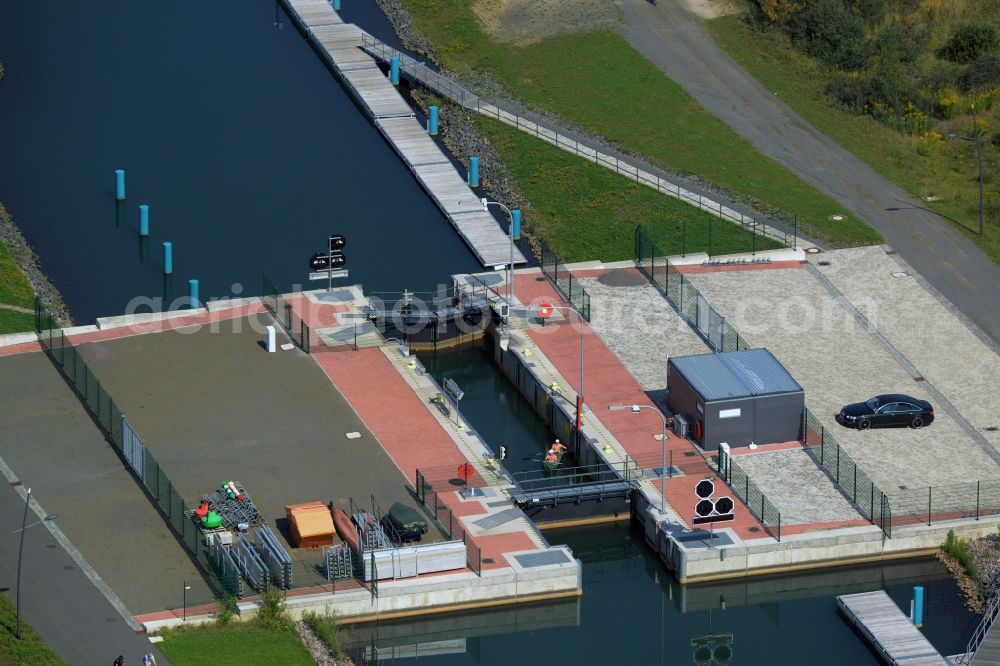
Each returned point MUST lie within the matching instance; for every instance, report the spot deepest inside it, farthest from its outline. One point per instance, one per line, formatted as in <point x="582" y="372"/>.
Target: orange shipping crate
<point x="311" y="524"/>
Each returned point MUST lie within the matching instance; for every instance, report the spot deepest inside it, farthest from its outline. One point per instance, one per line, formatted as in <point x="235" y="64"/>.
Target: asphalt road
<point x="672" y="38"/>
<point x="57" y="599"/>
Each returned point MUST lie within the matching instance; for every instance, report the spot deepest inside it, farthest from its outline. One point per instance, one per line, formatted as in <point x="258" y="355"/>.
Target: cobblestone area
<point x="641" y="328"/>
<point x="960" y="365"/>
<point x="797" y="487"/>
<point x="838" y="362"/>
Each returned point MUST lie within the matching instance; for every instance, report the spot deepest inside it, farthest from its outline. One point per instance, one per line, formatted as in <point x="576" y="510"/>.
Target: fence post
<point x="838" y="463"/>
<point x="854" y="498"/>
<point x="929" y="505"/>
<point x="977" y="499"/>
<point x="871" y="512"/>
<point x="822" y="445"/>
<point x="746" y="486"/>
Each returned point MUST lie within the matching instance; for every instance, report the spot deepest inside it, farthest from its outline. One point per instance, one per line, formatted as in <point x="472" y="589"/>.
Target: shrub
<point x="958" y="550"/>
<point x="272" y="613"/>
<point x="226" y="610"/>
<point x="968" y="42"/>
<point x="898" y="44"/>
<point x="983" y="73"/>
<point x="325" y="626"/>
<point x="830" y="31"/>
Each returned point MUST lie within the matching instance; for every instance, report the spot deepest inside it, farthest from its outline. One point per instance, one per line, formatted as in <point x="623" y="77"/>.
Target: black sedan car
<point x="887" y="411"/>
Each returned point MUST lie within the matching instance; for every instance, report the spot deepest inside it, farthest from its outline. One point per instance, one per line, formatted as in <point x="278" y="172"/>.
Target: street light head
<point x="635" y="409"/>
<point x="486" y="204"/>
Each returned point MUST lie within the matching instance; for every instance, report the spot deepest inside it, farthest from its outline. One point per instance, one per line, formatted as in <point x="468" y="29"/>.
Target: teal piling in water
<point x="432" y="120"/>
<point x="120" y="184"/>
<point x="918" y="605"/>
<point x="193" y="294"/>
<point x="394" y="70"/>
<point x="168" y="258"/>
<point x="473" y="171"/>
<point x="143" y="220"/>
<point x="515" y="217"/>
<point x="336" y="5"/>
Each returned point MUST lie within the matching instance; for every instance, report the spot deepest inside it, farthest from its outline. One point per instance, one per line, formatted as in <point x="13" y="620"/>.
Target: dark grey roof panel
<point x="741" y="374"/>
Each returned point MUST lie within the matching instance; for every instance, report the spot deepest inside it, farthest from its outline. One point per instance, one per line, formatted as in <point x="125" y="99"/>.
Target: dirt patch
<point x="523" y="22"/>
<point x="623" y="277"/>
<point x="709" y="9"/>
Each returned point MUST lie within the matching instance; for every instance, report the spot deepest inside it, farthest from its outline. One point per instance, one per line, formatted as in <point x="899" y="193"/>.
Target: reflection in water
<point x="634" y="612"/>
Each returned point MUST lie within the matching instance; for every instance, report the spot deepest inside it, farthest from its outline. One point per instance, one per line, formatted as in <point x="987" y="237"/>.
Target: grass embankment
<point x="925" y="165"/>
<point x="584" y="211"/>
<point x="597" y="81"/>
<point x="14" y="290"/>
<point x="30" y="649"/>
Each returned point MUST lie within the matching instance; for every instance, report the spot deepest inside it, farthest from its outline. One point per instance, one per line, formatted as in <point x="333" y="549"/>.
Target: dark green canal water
<point x="246" y="148"/>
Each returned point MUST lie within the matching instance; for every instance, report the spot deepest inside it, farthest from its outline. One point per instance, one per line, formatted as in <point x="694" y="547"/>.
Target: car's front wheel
<point x="917" y="423"/>
<point x="864" y="424"/>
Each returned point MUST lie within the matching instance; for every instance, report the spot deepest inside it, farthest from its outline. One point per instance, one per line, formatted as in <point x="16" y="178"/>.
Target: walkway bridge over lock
<point x="575" y="492"/>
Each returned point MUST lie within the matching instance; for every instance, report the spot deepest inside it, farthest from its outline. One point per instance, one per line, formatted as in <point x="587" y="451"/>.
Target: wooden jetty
<point x="341" y="43"/>
<point x="890" y="632"/>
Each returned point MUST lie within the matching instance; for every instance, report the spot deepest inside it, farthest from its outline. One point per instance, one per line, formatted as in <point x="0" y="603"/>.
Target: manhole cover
<point x="824" y="263"/>
<point x="488" y="560"/>
<point x="753" y="529"/>
<point x="899" y="274"/>
<point x="992" y="429"/>
<point x="813" y="250"/>
<point x="690" y="453"/>
<point x="837" y="218"/>
<point x="903" y="488"/>
<point x="541" y="279"/>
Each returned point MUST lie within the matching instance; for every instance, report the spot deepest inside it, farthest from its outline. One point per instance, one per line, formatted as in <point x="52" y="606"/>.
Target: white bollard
<point x="271" y="342"/>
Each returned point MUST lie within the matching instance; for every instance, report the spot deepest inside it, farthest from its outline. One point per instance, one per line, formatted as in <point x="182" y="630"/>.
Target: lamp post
<point x="510" y="267"/>
<point x="635" y="409"/>
<point x="979" y="159"/>
<point x="20" y="553"/>
<point x="579" y="394"/>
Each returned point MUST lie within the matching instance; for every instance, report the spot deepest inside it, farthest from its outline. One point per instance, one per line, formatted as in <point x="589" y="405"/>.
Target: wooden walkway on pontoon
<point x="890" y="632"/>
<point x="393" y="117"/>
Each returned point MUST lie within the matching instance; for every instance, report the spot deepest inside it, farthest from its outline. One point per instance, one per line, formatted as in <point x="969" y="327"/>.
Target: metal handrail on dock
<point x="982" y="631"/>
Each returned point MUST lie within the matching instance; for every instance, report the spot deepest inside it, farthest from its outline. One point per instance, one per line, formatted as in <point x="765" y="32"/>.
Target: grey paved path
<point x="673" y="39"/>
<point x="68" y="612"/>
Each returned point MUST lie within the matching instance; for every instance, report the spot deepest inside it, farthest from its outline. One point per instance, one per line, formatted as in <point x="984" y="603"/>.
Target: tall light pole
<point x="510" y="267"/>
<point x="635" y="409"/>
<point x="20" y="553"/>
<point x="579" y="394"/>
<point x="979" y="159"/>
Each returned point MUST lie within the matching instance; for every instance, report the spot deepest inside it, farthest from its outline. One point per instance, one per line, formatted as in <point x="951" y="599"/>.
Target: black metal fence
<point x="851" y="479"/>
<point x="285" y="315"/>
<point x="973" y="499"/>
<point x="446" y="521"/>
<point x="108" y="416"/>
<point x="569" y="288"/>
<point x="688" y="302"/>
<point x="752" y="496"/>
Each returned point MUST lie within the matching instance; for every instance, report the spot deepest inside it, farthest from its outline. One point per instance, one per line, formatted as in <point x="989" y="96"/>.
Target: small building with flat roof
<point x="735" y="397"/>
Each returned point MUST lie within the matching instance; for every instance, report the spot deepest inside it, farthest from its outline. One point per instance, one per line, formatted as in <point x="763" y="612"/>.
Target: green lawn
<point x="923" y="166"/>
<point x="234" y="645"/>
<point x="14" y="287"/>
<point x="30" y="649"/>
<point x="599" y="82"/>
<point x="585" y="212"/>
<point x="16" y="322"/>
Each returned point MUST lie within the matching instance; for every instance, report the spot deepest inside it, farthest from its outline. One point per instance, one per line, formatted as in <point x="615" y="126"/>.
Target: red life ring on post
<point x="697" y="431"/>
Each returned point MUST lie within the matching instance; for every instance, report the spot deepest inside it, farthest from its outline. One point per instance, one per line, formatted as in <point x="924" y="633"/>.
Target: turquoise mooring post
<point x="432" y="120"/>
<point x="168" y="258"/>
<point x="918" y="605"/>
<point x="193" y="294"/>
<point x="120" y="184"/>
<point x="473" y="171"/>
<point x="394" y="70"/>
<point x="515" y="216"/>
<point x="143" y="220"/>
